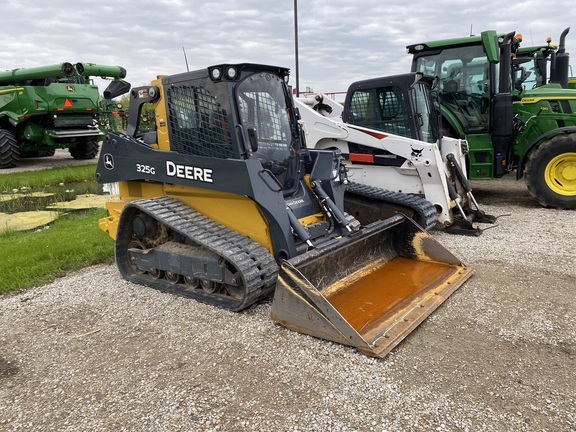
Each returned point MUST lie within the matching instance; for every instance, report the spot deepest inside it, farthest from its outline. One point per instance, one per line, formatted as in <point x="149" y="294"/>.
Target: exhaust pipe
<point x="560" y="62"/>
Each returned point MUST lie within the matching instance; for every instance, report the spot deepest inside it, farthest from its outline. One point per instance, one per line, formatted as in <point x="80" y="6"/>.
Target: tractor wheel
<point x="551" y="172"/>
<point x="47" y="153"/>
<point x="38" y="153"/>
<point x="9" y="151"/>
<point x="85" y="150"/>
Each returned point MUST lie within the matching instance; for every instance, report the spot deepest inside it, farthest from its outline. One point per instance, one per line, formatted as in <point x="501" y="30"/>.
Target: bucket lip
<point x="405" y="324"/>
<point x="364" y="233"/>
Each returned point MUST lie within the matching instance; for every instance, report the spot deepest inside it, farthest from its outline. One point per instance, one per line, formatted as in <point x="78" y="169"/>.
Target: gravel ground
<point x="92" y="352"/>
<point x="61" y="158"/>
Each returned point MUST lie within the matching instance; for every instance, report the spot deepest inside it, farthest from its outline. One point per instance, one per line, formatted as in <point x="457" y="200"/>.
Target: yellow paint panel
<point x="239" y="213"/>
<point x="161" y="118"/>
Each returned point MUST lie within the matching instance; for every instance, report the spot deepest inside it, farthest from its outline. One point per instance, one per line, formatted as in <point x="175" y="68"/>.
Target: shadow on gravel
<point x="7" y="369"/>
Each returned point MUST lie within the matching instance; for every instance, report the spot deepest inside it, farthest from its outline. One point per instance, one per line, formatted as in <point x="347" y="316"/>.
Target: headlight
<point x="231" y="72"/>
<point x="216" y="74"/>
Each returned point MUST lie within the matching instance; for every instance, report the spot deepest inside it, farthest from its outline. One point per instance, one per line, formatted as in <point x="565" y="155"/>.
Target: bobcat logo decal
<point x="416" y="152"/>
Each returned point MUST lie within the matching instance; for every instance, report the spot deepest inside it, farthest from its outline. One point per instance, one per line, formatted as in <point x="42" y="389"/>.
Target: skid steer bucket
<point x="371" y="292"/>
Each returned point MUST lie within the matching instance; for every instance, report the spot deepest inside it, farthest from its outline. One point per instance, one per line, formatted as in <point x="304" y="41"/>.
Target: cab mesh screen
<point x="198" y="125"/>
<point x="381" y="109"/>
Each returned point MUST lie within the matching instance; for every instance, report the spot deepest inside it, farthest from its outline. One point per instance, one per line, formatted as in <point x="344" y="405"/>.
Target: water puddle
<point x="27" y="208"/>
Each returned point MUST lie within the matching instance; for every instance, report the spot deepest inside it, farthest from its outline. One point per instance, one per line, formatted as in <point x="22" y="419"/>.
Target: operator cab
<point x="464" y="83"/>
<point x="266" y="113"/>
<point x="399" y="104"/>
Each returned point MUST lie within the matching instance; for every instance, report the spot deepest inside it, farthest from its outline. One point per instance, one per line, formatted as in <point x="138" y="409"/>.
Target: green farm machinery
<point x="529" y="129"/>
<point x="50" y="107"/>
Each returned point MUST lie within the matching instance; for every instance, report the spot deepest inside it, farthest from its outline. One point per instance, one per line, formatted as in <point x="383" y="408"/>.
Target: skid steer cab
<point x="224" y="204"/>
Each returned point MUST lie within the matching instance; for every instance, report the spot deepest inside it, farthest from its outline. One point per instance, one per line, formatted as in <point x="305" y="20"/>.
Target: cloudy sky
<point x="339" y="41"/>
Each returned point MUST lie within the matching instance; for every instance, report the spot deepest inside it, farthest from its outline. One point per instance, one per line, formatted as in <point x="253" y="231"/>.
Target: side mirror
<point x="116" y="88"/>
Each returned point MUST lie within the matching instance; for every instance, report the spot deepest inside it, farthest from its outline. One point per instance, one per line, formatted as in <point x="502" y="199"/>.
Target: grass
<point x="72" y="242"/>
<point x="50" y="177"/>
<point x="34" y="258"/>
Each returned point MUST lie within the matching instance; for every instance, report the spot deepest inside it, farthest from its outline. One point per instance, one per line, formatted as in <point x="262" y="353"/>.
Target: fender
<point x="10" y="118"/>
<point x="535" y="143"/>
<point x="453" y="122"/>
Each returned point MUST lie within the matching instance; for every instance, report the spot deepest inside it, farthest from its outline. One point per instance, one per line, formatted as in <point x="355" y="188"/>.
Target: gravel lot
<point x="92" y="352"/>
<point x="61" y="158"/>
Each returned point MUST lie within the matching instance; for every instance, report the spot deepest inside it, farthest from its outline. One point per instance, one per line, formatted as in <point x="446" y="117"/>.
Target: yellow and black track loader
<point x="224" y="203"/>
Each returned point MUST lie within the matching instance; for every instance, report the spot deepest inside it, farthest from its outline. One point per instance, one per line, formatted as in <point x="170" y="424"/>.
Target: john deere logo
<point x="108" y="161"/>
<point x="70" y="88"/>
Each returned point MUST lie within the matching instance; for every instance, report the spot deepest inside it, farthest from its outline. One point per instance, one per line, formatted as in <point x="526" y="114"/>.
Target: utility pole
<point x="296" y="47"/>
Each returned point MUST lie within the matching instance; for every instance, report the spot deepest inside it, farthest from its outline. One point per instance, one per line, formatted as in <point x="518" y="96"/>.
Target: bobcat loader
<point x="388" y="134"/>
<point x="224" y="204"/>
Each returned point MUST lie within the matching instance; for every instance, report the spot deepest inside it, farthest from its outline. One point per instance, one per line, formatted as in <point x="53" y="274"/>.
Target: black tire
<point x="47" y="153"/>
<point x="551" y="172"/>
<point x="85" y="150"/>
<point x="9" y="151"/>
<point x="38" y="153"/>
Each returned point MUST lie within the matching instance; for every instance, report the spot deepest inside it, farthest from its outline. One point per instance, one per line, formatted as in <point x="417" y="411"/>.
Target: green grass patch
<point x="48" y="177"/>
<point x="35" y="258"/>
<point x="72" y="242"/>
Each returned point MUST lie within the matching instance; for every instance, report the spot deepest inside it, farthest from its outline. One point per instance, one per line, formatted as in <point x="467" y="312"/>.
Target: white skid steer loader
<point x="388" y="134"/>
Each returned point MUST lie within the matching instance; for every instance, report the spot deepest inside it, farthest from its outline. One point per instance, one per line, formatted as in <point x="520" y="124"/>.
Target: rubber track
<point x="427" y="217"/>
<point x="256" y="265"/>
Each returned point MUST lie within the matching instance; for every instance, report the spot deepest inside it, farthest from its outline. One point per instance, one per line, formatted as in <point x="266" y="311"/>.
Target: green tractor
<point x="50" y="107"/>
<point x="535" y="66"/>
<point x="508" y="126"/>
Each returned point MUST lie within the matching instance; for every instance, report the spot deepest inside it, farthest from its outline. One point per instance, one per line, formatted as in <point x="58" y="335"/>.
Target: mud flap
<point x="369" y="291"/>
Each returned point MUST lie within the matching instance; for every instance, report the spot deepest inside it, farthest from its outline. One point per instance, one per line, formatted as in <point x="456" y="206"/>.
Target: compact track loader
<point x="389" y="136"/>
<point x="223" y="203"/>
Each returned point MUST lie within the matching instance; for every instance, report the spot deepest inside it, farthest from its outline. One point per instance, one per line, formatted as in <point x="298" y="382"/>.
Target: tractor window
<point x="259" y="110"/>
<point x="464" y="86"/>
<point x="265" y="111"/>
<point x="198" y="124"/>
<point x="382" y="109"/>
<point x="526" y="73"/>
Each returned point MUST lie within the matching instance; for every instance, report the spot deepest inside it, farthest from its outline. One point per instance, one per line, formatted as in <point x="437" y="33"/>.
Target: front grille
<point x="73" y="122"/>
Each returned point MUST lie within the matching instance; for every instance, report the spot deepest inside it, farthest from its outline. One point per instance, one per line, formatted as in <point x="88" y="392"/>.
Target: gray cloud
<point x="339" y="42"/>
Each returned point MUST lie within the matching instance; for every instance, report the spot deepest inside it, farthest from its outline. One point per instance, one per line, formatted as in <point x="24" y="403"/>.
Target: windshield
<point x="425" y="113"/>
<point x="460" y="69"/>
<point x="265" y="111"/>
<point x="464" y="83"/>
<point x="527" y="74"/>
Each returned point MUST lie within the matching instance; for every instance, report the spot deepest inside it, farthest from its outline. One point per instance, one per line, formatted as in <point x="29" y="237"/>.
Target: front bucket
<point x="369" y="291"/>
